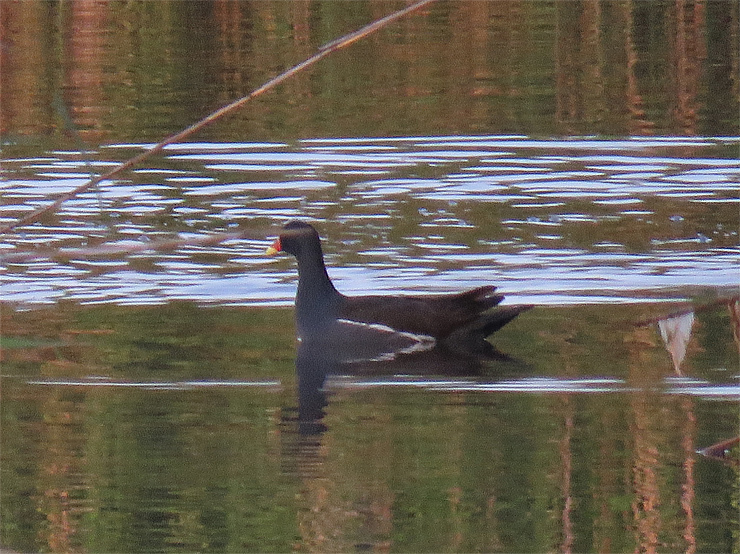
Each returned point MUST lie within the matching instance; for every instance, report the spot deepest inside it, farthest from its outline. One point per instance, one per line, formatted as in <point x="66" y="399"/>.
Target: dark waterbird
<point x="365" y="328"/>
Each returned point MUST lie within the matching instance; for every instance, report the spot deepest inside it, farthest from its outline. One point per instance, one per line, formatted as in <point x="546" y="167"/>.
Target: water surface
<point x="583" y="157"/>
<point x="179" y="428"/>
<point x="549" y="221"/>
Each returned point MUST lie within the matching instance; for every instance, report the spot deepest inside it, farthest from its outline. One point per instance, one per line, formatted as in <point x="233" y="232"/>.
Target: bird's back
<point x="432" y="315"/>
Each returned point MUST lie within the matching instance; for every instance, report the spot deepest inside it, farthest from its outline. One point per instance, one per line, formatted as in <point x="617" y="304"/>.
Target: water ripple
<point x="554" y="221"/>
<point x="546" y="385"/>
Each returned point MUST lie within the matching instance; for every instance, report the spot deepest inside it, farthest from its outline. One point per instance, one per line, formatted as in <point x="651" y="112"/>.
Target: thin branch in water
<point x="323" y="52"/>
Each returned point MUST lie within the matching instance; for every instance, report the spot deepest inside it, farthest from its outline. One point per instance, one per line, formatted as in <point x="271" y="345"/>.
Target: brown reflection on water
<point x="688" y="52"/>
<point x="22" y="112"/>
<point x="611" y="487"/>
<point x="656" y="424"/>
<point x="580" y="78"/>
<point x="86" y="44"/>
<point x="566" y="464"/>
<point x="688" y="487"/>
<point x="639" y="124"/>
<point x="565" y="411"/>
<point x="140" y="71"/>
<point x="645" y="437"/>
<point x="734" y="309"/>
<point x="60" y="466"/>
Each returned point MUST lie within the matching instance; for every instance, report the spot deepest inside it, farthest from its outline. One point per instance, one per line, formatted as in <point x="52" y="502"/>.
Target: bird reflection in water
<point x="316" y="363"/>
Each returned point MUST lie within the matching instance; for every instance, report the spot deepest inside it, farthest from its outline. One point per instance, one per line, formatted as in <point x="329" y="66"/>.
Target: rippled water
<point x="549" y="221"/>
<point x="538" y="385"/>
<point x="195" y="425"/>
<point x="154" y="398"/>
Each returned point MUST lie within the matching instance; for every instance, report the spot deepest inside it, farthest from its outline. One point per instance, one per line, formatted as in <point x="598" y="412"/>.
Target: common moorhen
<point x="381" y="327"/>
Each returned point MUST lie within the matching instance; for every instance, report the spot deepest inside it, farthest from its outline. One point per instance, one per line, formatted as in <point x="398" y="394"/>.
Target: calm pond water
<point x="155" y="400"/>
<point x="181" y="428"/>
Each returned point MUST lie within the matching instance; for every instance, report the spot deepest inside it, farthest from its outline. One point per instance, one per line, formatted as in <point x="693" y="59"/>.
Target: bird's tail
<point x="490" y="323"/>
<point x="471" y="338"/>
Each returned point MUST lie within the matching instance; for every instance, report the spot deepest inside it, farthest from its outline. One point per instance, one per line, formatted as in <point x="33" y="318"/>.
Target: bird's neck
<point x="316" y="299"/>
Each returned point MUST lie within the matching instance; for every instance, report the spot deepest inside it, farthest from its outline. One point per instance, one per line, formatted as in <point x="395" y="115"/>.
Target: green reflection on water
<point x="102" y="468"/>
